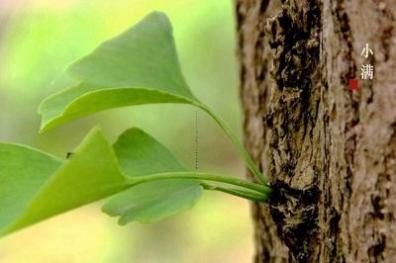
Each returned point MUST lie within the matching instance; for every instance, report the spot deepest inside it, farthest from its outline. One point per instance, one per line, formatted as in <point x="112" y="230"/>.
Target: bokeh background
<point x="38" y="39"/>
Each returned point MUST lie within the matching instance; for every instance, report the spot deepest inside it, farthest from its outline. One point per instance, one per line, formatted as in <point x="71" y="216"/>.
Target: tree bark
<point x="330" y="153"/>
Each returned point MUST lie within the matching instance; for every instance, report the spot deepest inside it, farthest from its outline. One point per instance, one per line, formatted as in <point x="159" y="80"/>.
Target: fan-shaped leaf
<point x="35" y="186"/>
<point x="140" y="66"/>
<point x="139" y="154"/>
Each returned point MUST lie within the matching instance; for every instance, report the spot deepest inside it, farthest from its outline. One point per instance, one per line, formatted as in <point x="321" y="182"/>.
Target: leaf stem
<point x="245" y="155"/>
<point x="200" y="176"/>
<point x="247" y="194"/>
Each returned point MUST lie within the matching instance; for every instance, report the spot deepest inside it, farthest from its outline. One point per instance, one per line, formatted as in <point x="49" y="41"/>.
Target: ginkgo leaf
<point x="160" y="185"/>
<point x="139" y="155"/>
<point x="35" y="185"/>
<point x="140" y="66"/>
<point x="23" y="171"/>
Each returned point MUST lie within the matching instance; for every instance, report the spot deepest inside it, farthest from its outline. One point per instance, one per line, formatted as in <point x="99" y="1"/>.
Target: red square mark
<point x="353" y="84"/>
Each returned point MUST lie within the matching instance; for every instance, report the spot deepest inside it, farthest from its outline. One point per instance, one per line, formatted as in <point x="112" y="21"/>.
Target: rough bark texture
<point x="330" y="152"/>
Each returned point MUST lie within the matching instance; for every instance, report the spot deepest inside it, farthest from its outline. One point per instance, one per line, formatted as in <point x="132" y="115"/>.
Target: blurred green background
<point x="38" y="39"/>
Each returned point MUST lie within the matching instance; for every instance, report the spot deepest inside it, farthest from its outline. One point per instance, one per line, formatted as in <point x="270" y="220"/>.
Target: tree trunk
<point x="329" y="152"/>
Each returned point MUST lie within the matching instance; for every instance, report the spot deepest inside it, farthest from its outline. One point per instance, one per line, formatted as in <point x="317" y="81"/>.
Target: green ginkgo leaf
<point x="35" y="186"/>
<point x="161" y="185"/>
<point x="120" y="73"/>
<point x="23" y="171"/>
<point x="140" y="155"/>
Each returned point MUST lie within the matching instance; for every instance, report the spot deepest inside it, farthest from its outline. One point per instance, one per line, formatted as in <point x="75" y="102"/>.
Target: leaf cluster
<point x="141" y="178"/>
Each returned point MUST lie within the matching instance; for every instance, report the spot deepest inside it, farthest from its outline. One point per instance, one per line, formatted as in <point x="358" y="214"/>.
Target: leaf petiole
<point x="247" y="194"/>
<point x="200" y="176"/>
